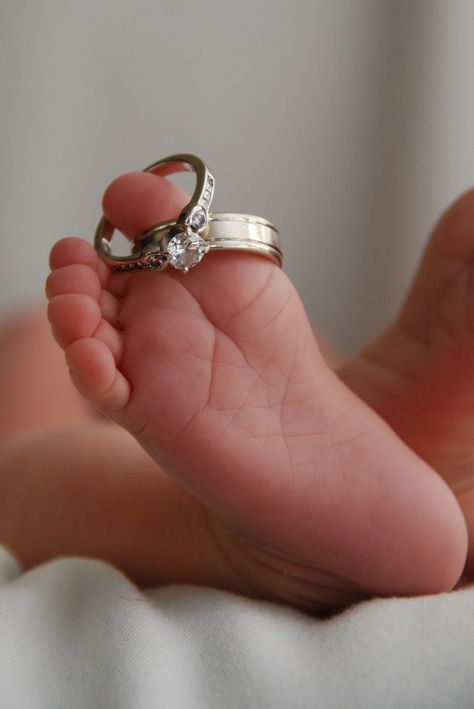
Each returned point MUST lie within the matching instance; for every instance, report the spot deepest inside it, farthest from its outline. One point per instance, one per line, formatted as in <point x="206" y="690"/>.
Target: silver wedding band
<point x="183" y="242"/>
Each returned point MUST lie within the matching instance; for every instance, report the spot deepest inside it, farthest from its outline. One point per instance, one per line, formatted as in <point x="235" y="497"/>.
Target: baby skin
<point x="284" y="480"/>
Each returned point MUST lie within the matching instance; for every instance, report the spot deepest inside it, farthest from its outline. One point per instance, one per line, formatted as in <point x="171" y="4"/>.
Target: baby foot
<point x="311" y="497"/>
<point x="419" y="375"/>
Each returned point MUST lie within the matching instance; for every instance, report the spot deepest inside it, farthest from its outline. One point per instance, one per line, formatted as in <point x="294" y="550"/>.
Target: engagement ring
<point x="183" y="242"/>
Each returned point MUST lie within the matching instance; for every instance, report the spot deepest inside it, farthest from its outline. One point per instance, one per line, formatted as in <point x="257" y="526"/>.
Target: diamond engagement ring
<point x="183" y="242"/>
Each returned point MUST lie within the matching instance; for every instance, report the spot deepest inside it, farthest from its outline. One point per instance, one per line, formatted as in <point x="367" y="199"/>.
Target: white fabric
<point x="75" y="633"/>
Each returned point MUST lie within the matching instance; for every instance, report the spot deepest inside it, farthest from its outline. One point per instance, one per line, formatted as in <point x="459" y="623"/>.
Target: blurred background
<point x="348" y="123"/>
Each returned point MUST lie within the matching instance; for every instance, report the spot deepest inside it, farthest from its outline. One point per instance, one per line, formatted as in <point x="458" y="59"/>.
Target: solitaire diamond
<point x="185" y="250"/>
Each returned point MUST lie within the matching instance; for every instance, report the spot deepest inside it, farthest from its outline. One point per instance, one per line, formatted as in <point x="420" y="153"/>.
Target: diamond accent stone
<point x="198" y="219"/>
<point x="185" y="250"/>
<point x="153" y="262"/>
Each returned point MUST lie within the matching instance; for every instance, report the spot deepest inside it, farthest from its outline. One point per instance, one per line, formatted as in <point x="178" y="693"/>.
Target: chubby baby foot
<point x="419" y="375"/>
<point x="310" y="496"/>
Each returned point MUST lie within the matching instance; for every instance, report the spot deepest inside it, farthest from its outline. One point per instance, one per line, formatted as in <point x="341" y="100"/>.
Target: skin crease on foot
<point x="310" y="497"/>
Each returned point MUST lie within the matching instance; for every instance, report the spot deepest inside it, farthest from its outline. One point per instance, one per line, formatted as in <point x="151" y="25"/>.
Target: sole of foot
<point x="311" y="497"/>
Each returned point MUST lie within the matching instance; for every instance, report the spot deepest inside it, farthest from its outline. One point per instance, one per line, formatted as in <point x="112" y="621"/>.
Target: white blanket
<point x="75" y="633"/>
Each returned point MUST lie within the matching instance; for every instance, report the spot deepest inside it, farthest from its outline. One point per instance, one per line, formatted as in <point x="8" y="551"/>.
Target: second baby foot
<point x="311" y="497"/>
<point x="419" y="375"/>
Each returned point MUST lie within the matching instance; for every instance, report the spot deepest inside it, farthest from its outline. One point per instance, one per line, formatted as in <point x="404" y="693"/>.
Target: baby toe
<point x="110" y="306"/>
<point x="73" y="316"/>
<point x="111" y="337"/>
<point x="76" y="278"/>
<point x="95" y="374"/>
<point x="72" y="250"/>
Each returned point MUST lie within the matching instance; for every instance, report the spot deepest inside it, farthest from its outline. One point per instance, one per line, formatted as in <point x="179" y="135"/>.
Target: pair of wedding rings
<point x="183" y="242"/>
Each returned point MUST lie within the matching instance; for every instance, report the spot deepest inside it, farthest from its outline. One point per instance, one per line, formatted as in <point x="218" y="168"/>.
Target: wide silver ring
<point x="183" y="242"/>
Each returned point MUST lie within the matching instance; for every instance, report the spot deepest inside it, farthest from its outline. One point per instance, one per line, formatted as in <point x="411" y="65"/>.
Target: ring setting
<point x="183" y="242"/>
<point x="186" y="249"/>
